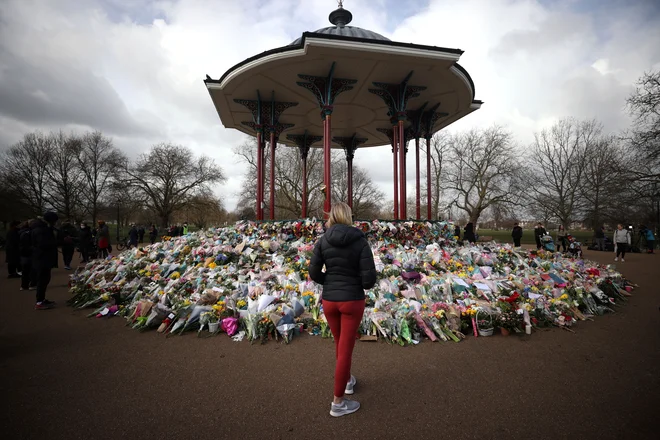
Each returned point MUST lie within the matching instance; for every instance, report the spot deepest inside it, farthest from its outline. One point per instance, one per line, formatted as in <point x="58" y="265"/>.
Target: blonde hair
<point x="340" y="213"/>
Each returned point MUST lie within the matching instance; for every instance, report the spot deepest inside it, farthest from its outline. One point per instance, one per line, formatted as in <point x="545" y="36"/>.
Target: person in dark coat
<point x="457" y="233"/>
<point x="141" y="234"/>
<point x="517" y="234"/>
<point x="153" y="233"/>
<point x="85" y="241"/>
<point x="12" y="252"/>
<point x="349" y="266"/>
<point x="599" y="238"/>
<point x="133" y="236"/>
<point x="68" y="238"/>
<point x="103" y="237"/>
<point x="44" y="256"/>
<point x="469" y="233"/>
<point x="28" y="274"/>
<point x="539" y="231"/>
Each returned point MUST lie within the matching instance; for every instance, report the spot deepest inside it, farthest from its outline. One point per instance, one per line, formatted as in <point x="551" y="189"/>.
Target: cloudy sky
<point x="134" y="68"/>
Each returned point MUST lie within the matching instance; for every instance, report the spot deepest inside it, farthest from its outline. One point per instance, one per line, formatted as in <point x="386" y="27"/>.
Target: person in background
<point x="599" y="238"/>
<point x="13" y="254"/>
<point x="457" y="233"/>
<point x="517" y="234"/>
<point x="141" y="234"/>
<point x="185" y="228"/>
<point x="349" y="269"/>
<point x="103" y="237"/>
<point x="153" y="233"/>
<point x="562" y="241"/>
<point x="621" y="241"/>
<point x="133" y="236"/>
<point x="44" y="256"/>
<point x="28" y="274"/>
<point x="539" y="231"/>
<point x="68" y="235"/>
<point x="84" y="241"/>
<point x="650" y="240"/>
<point x="469" y="233"/>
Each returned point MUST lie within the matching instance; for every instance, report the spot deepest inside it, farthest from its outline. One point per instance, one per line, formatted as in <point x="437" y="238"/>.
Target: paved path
<point x="65" y="376"/>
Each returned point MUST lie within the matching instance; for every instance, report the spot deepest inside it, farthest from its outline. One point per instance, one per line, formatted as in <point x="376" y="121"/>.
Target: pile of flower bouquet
<point x="251" y="281"/>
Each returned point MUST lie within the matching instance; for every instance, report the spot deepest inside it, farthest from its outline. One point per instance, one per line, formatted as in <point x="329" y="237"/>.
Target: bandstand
<point x="349" y="88"/>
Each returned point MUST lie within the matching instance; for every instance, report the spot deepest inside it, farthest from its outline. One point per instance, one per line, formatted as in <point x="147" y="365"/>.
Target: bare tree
<point x="367" y="198"/>
<point x="203" y="210"/>
<point x="288" y="182"/>
<point x="604" y="180"/>
<point x="644" y="106"/>
<point x="67" y="180"/>
<point x="484" y="170"/>
<point x="555" y="173"/>
<point x="169" y="176"/>
<point x="24" y="169"/>
<point x="99" y="161"/>
<point x="440" y="143"/>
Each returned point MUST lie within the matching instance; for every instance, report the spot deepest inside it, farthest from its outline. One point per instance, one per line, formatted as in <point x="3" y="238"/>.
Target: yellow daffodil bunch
<point x="212" y="265"/>
<point x="241" y="303"/>
<point x="175" y="276"/>
<point x="564" y="297"/>
<point x="219" y="307"/>
<point x="471" y="269"/>
<point x="308" y="293"/>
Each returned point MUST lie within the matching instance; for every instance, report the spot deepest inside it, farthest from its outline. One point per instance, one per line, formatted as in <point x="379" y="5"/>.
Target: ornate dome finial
<point x="340" y="17"/>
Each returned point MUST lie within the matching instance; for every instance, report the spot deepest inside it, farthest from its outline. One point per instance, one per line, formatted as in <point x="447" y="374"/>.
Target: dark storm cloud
<point x="52" y="94"/>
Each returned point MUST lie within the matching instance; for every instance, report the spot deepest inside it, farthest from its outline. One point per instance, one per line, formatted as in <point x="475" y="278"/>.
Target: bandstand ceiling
<point x="356" y="111"/>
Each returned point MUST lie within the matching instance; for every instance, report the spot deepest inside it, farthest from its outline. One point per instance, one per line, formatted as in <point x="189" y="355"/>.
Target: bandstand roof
<point x="357" y="54"/>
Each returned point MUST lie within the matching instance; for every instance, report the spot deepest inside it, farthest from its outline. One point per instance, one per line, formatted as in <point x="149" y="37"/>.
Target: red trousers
<point x="344" y="319"/>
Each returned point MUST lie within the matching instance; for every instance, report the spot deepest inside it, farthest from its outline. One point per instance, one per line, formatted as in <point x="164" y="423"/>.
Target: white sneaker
<point x="623" y="261"/>
<point x="616" y="258"/>
<point x="344" y="408"/>
<point x="350" y="385"/>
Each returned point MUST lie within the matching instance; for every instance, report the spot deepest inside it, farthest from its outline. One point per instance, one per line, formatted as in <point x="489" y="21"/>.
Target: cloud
<point x="134" y="69"/>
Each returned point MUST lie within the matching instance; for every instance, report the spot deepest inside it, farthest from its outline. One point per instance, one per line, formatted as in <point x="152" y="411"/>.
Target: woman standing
<point x="621" y="242"/>
<point x="562" y="241"/>
<point x="469" y="233"/>
<point x="84" y="242"/>
<point x="104" y="239"/>
<point x="349" y="269"/>
<point x="517" y="234"/>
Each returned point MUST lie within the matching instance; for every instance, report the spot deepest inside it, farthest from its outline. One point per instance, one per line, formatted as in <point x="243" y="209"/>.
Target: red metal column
<point x="304" y="186"/>
<point x="350" y="183"/>
<point x="428" y="177"/>
<point x="327" y="139"/>
<point x="417" y="189"/>
<point x="273" y="145"/>
<point x="260" y="171"/>
<point x="403" y="213"/>
<point x="395" y="149"/>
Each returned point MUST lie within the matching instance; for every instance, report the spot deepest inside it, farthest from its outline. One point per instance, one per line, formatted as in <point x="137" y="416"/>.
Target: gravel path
<point x="65" y="376"/>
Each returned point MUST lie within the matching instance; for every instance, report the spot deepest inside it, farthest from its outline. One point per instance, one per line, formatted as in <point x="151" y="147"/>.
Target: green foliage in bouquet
<point x="509" y="319"/>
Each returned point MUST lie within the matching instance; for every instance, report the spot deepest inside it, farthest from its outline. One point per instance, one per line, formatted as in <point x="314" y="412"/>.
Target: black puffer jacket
<point x="349" y="264"/>
<point x="44" y="246"/>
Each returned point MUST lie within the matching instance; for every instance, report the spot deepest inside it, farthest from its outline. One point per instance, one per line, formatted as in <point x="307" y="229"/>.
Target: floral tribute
<point x="251" y="281"/>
